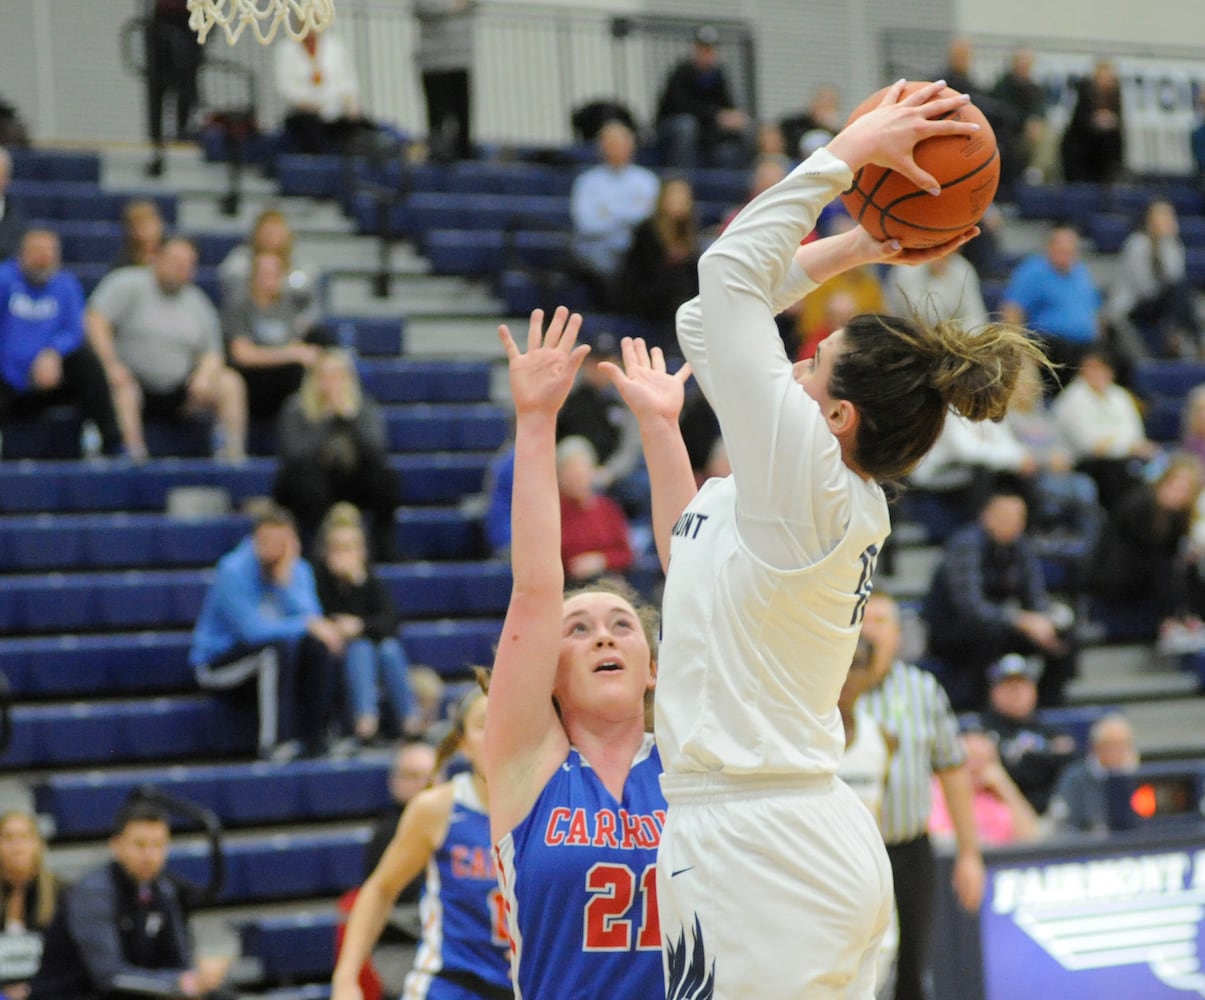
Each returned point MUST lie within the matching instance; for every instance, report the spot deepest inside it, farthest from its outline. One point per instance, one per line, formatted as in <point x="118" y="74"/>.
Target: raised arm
<point x="524" y="741"/>
<point x="655" y="397"/>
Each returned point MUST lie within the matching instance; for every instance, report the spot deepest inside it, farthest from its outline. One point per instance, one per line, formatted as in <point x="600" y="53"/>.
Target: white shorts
<point x="779" y="887"/>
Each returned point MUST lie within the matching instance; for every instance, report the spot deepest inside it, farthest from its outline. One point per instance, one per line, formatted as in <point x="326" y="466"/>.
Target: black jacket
<point x="104" y="943"/>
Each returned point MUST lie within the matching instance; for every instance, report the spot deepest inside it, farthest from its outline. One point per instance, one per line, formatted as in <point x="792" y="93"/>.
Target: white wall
<point x="1129" y="23"/>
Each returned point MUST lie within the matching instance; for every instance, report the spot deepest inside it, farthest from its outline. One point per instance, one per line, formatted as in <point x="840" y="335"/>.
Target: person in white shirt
<point x="769" y="571"/>
<point x="317" y="82"/>
<point x="941" y="290"/>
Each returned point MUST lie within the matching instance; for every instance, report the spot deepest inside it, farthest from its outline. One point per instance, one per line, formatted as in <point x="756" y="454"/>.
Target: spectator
<point x="1197" y="138"/>
<point x="1054" y="294"/>
<point x="1025" y="135"/>
<point x="122" y="930"/>
<point x="44" y="358"/>
<point x="1002" y="814"/>
<point x="1192" y="430"/>
<point x="698" y="122"/>
<point x="360" y="605"/>
<point x="957" y="72"/>
<point x="941" y="290"/>
<point x="430" y="694"/>
<point x="1032" y="752"/>
<point x="261" y="620"/>
<point x="822" y="115"/>
<point x="270" y="233"/>
<point x="272" y="336"/>
<point x="142" y="232"/>
<point x="1144" y="555"/>
<point x="333" y="447"/>
<point x="988" y="597"/>
<point x="660" y="270"/>
<point x="445" y="57"/>
<point x="412" y="770"/>
<point x="700" y="432"/>
<point x="1101" y="423"/>
<point x="607" y="202"/>
<point x="1078" y="803"/>
<point x="911" y="704"/>
<point x="1150" y="297"/>
<point x="767" y="171"/>
<point x="173" y="60"/>
<point x="817" y="316"/>
<point x="29" y="895"/>
<point x="317" y="83"/>
<point x="499" y="483"/>
<point x="1093" y="143"/>
<point x="594" y="533"/>
<point x="160" y="340"/>
<point x="12" y="219"/>
<point x="595" y="411"/>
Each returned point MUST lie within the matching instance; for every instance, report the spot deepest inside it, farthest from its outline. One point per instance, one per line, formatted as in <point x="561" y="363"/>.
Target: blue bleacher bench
<point x="83" y="805"/>
<point x="291" y="948"/>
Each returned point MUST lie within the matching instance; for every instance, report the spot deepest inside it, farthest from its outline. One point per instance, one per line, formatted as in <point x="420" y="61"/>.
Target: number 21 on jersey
<point x="608" y="920"/>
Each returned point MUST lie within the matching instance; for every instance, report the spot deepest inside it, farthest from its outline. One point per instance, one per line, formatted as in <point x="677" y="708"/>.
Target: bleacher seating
<point x="291" y="948"/>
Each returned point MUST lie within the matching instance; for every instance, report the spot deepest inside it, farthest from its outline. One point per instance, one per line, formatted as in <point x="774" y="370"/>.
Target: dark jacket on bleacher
<point x="13" y="224"/>
<point x="104" y="943"/>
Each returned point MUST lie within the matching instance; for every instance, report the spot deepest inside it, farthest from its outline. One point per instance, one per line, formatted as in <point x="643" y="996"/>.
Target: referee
<point x="911" y="704"/>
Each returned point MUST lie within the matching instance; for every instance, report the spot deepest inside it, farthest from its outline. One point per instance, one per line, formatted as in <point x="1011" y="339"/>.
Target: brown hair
<point x="680" y="237"/>
<point x="452" y="738"/>
<point x="266" y="216"/>
<point x="904" y="376"/>
<point x="133" y="212"/>
<point x="45" y="883"/>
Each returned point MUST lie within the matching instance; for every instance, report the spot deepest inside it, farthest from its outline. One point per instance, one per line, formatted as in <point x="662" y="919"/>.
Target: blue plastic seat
<point x="84" y="665"/>
<point x="54" y="166"/>
<point x="1108" y="230"/>
<point x="375" y="336"/>
<point x="310" y="176"/>
<point x="1167" y="378"/>
<point x="452" y="647"/>
<point x="442" y="477"/>
<point x="291" y="948"/>
<point x="403" y="381"/>
<point x="447" y="427"/>
<point x="436" y="533"/>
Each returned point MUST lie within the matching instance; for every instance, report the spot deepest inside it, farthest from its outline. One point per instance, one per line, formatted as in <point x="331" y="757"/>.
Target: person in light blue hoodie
<point x="261" y="621"/>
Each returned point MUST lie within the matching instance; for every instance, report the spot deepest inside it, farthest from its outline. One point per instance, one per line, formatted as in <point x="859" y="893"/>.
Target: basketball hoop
<point x="299" y="17"/>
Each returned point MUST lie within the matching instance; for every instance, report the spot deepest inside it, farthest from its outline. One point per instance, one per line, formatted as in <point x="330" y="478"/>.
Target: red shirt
<point x="599" y="526"/>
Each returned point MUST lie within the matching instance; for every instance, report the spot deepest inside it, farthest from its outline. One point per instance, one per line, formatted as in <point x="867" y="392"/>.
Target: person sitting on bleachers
<point x="1196" y="138"/>
<point x="1023" y="130"/>
<point x="594" y="532"/>
<point x="411" y="771"/>
<point x="160" y="340"/>
<point x="121" y="930"/>
<point x="607" y="202"/>
<point x="822" y="114"/>
<point x="360" y="605"/>
<point x="270" y="233"/>
<point x="142" y="233"/>
<point x="498" y="488"/>
<point x="29" y="896"/>
<point x="1144" y="554"/>
<point x="333" y="446"/>
<point x="44" y="357"/>
<point x="1101" y="424"/>
<point x="1078" y="802"/>
<point x="1093" y="143"/>
<point x="988" y="597"/>
<point x="1032" y="752"/>
<point x="941" y="290"/>
<point x="1055" y="295"/>
<point x="261" y="621"/>
<point x="660" y="270"/>
<point x="1150" y="297"/>
<point x="272" y="335"/>
<point x="316" y="81"/>
<point x="595" y="411"/>
<point x="1002" y="814"/>
<point x="12" y="219"/>
<point x="1192" y="424"/>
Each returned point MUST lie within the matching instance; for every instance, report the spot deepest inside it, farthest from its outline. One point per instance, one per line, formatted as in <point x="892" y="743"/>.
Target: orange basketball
<point x="891" y="207"/>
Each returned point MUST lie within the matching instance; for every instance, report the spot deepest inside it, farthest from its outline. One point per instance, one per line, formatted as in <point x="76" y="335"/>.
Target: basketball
<point x="890" y="207"/>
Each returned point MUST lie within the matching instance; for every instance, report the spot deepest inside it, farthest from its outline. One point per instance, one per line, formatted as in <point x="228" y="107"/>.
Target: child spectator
<point x="364" y="612"/>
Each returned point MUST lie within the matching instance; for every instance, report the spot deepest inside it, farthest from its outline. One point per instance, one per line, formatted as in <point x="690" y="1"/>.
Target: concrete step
<point x="433" y="336"/>
<point x="1125" y="674"/>
<point x="1169" y="727"/>
<point x="412" y="295"/>
<point x="306" y="216"/>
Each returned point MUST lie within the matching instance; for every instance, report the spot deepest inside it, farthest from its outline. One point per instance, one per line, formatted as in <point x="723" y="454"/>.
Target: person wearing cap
<point x="988" y="597"/>
<point x="698" y="122"/>
<point x="1032" y="752"/>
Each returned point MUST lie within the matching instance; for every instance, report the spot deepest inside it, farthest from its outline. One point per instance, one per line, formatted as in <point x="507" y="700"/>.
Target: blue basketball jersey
<point x="464" y="927"/>
<point x="579" y="876"/>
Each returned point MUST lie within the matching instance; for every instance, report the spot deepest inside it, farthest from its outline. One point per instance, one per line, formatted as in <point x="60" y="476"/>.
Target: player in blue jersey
<point x="575" y="801"/>
<point x="463" y="954"/>
<point x="772" y="877"/>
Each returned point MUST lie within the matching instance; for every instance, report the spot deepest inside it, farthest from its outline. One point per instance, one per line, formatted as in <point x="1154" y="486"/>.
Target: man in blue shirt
<point x="1055" y="295"/>
<point x="261" y="621"/>
<point x="44" y="359"/>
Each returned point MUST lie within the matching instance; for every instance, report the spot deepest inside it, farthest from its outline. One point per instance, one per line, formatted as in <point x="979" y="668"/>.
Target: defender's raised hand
<point x="541" y="378"/>
<point x="649" y="389"/>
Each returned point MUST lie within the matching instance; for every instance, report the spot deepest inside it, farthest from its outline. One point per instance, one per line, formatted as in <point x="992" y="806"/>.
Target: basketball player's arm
<point x="524" y="740"/>
<point x="969" y="874"/>
<point x="420" y="831"/>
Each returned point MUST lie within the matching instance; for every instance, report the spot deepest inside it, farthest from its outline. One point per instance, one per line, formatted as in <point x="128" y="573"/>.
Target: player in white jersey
<point x="771" y="876"/>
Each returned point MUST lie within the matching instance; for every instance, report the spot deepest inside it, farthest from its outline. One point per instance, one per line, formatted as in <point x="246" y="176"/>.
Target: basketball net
<point x="264" y="17"/>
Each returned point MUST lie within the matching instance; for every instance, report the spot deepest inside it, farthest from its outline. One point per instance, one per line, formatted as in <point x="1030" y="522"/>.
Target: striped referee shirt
<point x="911" y="705"/>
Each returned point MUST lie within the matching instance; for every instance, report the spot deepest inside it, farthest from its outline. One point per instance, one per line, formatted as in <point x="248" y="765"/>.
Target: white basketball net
<point x="264" y="17"/>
